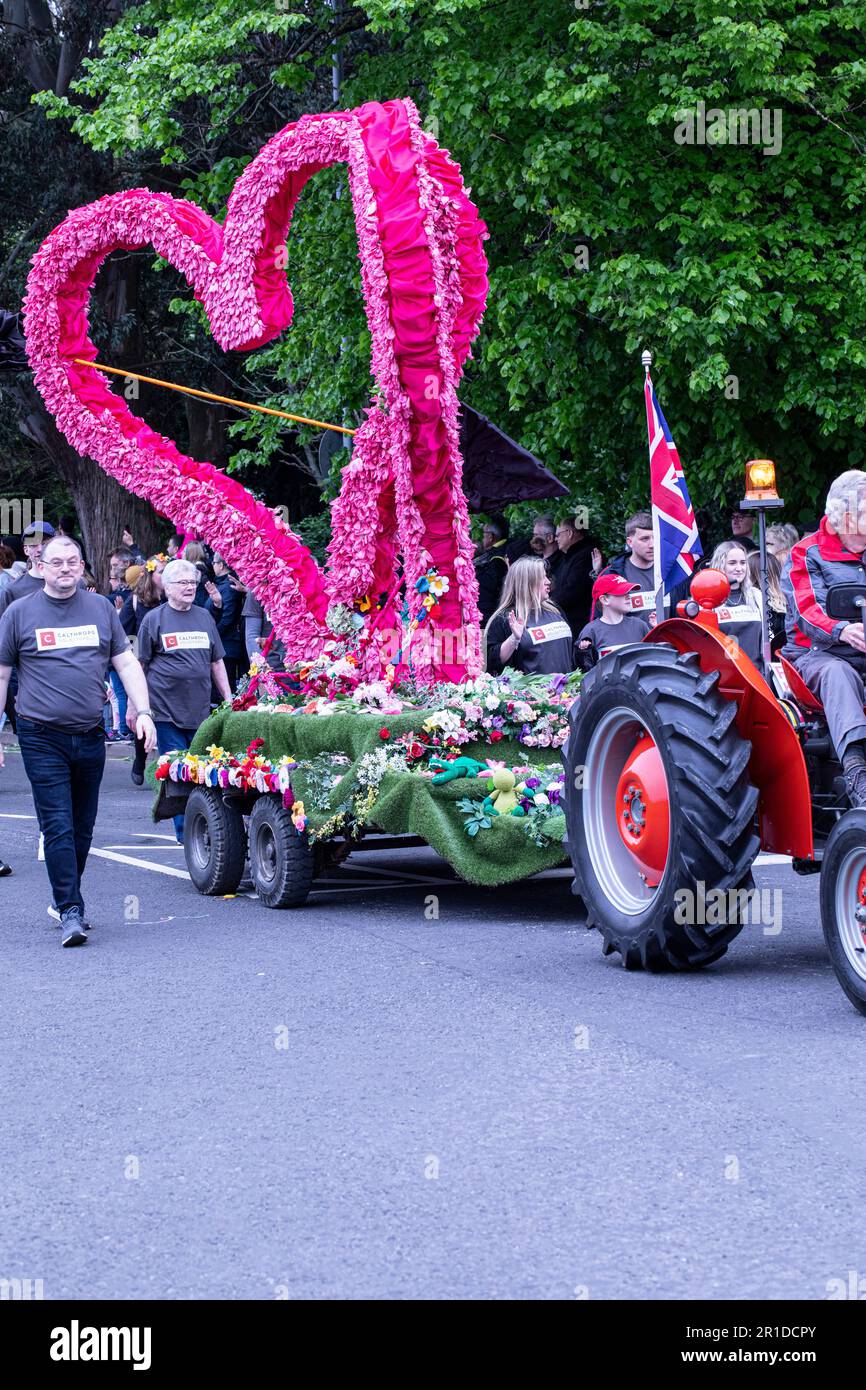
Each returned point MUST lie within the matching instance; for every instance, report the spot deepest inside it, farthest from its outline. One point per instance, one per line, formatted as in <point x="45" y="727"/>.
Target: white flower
<point x="541" y="799"/>
<point x="491" y="702"/>
<point x="342" y="668"/>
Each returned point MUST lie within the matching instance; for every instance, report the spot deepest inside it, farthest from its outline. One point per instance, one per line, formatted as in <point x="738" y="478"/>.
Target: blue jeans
<point x="65" y="770"/>
<point x="168" y="738"/>
<point x="122" y="701"/>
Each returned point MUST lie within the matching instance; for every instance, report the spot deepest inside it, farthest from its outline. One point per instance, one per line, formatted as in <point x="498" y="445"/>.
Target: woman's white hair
<point x="846" y="500"/>
<point x="179" y="569"/>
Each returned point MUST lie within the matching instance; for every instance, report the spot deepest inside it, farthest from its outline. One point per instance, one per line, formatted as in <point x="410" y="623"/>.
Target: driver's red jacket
<point x="816" y="562"/>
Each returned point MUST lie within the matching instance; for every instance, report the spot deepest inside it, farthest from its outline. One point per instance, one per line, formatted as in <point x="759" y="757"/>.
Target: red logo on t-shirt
<point x="49" y="639"/>
<point x="170" y="640"/>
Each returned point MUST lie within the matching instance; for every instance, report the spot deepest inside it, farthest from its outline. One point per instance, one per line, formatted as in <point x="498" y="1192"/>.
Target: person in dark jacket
<point x="225" y="605"/>
<point x="572" y="578"/>
<point x="830" y="653"/>
<point x="491" y="566"/>
<point x="196" y="554"/>
<point x="528" y="631"/>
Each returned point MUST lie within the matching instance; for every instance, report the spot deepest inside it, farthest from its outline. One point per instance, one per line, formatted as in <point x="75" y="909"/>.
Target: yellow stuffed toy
<point x="503" y="799"/>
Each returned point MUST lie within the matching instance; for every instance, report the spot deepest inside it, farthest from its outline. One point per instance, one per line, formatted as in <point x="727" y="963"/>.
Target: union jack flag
<point x="677" y="544"/>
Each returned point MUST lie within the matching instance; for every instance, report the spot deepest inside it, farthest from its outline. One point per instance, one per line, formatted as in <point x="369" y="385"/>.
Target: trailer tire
<point x="214" y="842"/>
<point x="281" y="859"/>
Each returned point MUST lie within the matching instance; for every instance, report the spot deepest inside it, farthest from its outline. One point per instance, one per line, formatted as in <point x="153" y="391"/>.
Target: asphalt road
<point x="361" y="1099"/>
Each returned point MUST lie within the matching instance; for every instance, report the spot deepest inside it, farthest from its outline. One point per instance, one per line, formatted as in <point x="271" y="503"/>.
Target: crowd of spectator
<point x="549" y="599"/>
<point x="557" y="574"/>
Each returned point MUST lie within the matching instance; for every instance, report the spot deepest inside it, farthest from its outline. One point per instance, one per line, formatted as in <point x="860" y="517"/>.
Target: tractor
<point x="683" y="760"/>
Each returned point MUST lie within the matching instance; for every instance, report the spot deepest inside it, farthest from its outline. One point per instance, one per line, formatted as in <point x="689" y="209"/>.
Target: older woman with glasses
<point x="181" y="652"/>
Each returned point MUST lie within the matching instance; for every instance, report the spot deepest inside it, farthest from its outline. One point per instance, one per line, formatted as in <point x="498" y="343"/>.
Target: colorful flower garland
<point x="252" y="773"/>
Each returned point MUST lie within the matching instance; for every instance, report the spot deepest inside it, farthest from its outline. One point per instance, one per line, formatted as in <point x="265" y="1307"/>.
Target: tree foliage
<point x="741" y="269"/>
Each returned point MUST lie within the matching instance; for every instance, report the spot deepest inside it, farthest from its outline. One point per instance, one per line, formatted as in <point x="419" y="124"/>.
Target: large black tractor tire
<point x="281" y="860"/>
<point x="214" y="842"/>
<point x="843" y="894"/>
<point x="659" y="808"/>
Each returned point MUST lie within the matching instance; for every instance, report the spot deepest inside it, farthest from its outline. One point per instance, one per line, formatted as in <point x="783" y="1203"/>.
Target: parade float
<point x="379" y="717"/>
<point x="680" y="757"/>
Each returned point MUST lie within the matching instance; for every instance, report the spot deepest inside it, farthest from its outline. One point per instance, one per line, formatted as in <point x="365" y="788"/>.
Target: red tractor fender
<point x="777" y="766"/>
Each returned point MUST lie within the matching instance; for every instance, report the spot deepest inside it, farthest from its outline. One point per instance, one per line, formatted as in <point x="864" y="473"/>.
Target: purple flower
<point x="533" y="782"/>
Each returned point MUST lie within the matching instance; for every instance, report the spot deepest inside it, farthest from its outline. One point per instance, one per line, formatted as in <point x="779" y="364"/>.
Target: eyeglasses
<point x="61" y="564"/>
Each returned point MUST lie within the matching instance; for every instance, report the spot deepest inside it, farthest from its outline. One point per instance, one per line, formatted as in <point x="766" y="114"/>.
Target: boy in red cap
<point x="618" y="625"/>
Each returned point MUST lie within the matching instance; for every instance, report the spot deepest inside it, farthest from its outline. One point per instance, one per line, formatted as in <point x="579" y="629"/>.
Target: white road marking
<point x="140" y="863"/>
<point x="8" y="815"/>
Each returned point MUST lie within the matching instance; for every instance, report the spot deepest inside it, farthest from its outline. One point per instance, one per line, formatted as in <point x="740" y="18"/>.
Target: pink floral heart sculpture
<point x="424" y="278"/>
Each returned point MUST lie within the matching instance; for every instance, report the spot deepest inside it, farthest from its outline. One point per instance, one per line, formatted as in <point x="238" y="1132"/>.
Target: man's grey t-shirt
<point x="27" y="584"/>
<point x="61" y="648"/>
<point x="176" y="650"/>
<point x="635" y="575"/>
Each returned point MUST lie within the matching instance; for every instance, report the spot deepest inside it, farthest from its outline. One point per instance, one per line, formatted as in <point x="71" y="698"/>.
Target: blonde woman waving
<point x="527" y="630"/>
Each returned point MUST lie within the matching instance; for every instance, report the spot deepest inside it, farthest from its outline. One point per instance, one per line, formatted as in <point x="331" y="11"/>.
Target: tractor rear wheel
<point x="660" y="809"/>
<point x="843" y="903"/>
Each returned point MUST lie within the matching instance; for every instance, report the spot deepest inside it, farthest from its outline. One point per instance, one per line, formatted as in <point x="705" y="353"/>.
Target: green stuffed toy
<point x="458" y="767"/>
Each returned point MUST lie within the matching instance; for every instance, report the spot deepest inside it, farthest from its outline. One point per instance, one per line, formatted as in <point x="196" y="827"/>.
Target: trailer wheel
<point x="843" y="904"/>
<point x="659" y="807"/>
<point x="281" y="860"/>
<point x="214" y="842"/>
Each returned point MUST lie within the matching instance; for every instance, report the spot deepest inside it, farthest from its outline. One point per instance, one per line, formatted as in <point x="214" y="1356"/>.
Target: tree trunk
<point x="103" y="507"/>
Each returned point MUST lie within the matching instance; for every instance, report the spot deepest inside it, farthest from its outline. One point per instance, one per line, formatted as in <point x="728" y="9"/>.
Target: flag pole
<point x="646" y="358"/>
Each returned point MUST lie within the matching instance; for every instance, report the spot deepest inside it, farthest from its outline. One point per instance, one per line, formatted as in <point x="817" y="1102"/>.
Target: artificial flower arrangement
<point x="485" y="711"/>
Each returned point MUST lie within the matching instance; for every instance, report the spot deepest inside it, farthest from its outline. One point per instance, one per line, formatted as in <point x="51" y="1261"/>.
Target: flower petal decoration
<point x="424" y="279"/>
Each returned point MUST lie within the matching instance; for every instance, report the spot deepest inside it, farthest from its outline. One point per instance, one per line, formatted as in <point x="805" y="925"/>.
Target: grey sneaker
<point x="72" y="926"/>
<point x="52" y="912"/>
<point x="855" y="786"/>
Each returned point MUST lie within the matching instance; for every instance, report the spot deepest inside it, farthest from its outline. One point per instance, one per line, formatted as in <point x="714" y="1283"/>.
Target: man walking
<point x="61" y="638"/>
<point x="180" y="650"/>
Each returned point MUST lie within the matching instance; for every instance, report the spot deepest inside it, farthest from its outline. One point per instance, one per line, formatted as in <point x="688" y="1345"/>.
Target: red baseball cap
<point x="612" y="584"/>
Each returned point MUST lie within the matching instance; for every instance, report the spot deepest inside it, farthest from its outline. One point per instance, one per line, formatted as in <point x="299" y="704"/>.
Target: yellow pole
<point x="210" y="396"/>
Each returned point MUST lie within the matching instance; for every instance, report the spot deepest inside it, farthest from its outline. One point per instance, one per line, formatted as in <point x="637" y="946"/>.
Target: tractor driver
<point x="830" y="655"/>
